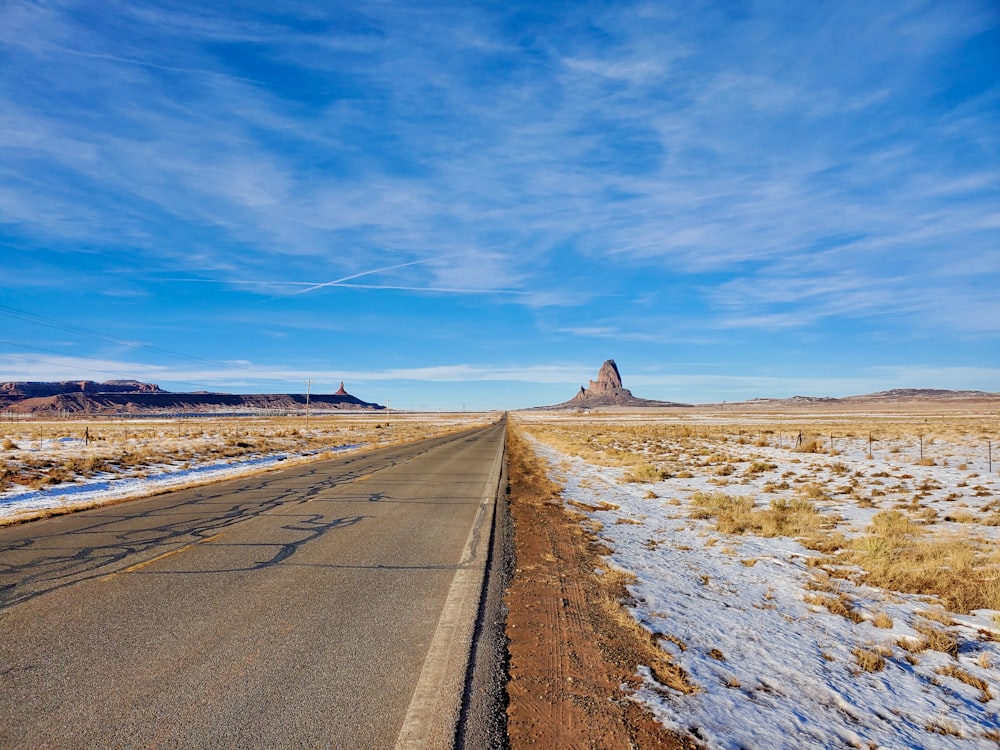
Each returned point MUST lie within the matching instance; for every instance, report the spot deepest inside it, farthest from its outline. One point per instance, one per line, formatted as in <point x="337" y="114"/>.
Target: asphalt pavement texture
<point x="291" y="609"/>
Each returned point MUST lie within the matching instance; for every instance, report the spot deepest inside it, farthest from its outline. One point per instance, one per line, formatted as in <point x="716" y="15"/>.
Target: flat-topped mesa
<point x="608" y="383"/>
<point x="28" y="389"/>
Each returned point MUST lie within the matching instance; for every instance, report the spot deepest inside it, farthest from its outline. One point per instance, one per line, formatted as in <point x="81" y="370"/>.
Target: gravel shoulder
<point x="573" y="648"/>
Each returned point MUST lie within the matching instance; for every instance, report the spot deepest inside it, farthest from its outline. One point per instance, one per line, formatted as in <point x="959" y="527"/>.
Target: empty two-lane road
<point x="328" y="605"/>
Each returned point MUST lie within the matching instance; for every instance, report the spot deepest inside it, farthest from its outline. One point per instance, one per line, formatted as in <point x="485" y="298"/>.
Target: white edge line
<point x="436" y="702"/>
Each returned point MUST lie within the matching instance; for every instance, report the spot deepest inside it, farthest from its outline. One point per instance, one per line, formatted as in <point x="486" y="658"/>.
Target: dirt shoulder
<point x="572" y="644"/>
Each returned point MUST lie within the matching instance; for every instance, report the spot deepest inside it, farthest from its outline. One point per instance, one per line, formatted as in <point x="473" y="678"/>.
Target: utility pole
<point x="308" y="389"/>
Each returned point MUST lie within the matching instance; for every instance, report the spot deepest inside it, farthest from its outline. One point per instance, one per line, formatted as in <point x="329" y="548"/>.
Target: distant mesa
<point x="34" y="390"/>
<point x="606" y="391"/>
<point x="133" y="396"/>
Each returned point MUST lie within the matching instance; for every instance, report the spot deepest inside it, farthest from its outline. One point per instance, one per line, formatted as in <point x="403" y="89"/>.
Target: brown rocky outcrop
<point x="608" y="383"/>
<point x="607" y="390"/>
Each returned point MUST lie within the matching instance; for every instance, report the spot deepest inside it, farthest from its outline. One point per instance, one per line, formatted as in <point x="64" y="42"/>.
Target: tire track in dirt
<point x="570" y="650"/>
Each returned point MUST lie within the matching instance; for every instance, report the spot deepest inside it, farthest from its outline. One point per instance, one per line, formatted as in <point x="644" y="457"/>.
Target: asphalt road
<point x="323" y="606"/>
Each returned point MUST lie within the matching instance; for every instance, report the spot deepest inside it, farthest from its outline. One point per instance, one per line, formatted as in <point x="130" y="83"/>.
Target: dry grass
<point x="882" y="620"/>
<point x="645" y="474"/>
<point x="896" y="555"/>
<point x="45" y="453"/>
<point x="740" y="515"/>
<point x="937" y="639"/>
<point x="950" y="670"/>
<point x="914" y="544"/>
<point x="838" y="605"/>
<point x="869" y="659"/>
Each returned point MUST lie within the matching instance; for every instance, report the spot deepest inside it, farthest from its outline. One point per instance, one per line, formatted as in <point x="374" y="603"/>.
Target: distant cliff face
<point x="27" y="389"/>
<point x="132" y="396"/>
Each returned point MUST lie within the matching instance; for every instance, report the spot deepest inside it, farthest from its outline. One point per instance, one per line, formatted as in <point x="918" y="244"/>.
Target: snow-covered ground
<point x="739" y="613"/>
<point x="49" y="467"/>
<point x="105" y="487"/>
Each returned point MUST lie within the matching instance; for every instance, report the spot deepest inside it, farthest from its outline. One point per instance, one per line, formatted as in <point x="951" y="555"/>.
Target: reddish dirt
<point x="572" y="645"/>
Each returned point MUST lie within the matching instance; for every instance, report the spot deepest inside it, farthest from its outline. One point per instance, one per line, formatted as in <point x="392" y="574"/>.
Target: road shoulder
<point x="572" y="644"/>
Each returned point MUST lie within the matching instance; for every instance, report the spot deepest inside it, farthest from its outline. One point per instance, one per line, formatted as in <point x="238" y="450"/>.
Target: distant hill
<point x="892" y="396"/>
<point x="608" y="391"/>
<point x="132" y="396"/>
<point x="921" y="394"/>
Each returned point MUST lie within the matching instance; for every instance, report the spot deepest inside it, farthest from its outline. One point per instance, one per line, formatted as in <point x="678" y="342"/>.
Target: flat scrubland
<point x="823" y="579"/>
<point x="51" y="466"/>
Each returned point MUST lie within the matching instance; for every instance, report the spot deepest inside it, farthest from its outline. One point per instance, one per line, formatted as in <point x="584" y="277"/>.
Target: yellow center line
<point x="144" y="563"/>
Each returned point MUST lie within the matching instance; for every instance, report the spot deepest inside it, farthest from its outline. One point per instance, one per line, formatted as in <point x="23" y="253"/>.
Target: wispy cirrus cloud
<point x="563" y="178"/>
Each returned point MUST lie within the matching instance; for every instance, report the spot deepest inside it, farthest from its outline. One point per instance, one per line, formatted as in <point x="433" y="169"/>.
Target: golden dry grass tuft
<point x="645" y="474"/>
<point x="950" y="670"/>
<point x="837" y="605"/>
<point x="869" y="659"/>
<point x="740" y="515"/>
<point x="882" y="620"/>
<point x="896" y="555"/>
<point x="937" y="639"/>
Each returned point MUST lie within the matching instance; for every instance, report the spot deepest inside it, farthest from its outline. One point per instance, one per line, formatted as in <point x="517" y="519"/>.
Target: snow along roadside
<point x="23" y="504"/>
<point x="773" y="669"/>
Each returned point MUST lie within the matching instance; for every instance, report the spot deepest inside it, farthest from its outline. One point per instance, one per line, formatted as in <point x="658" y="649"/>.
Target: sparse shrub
<point x="9" y="445"/>
<point x="824" y="542"/>
<point x="962" y="516"/>
<point x="739" y="515"/>
<point x="868" y="659"/>
<point x="644" y="473"/>
<point x="896" y="557"/>
<point x="882" y="620"/>
<point x="813" y="491"/>
<point x="809" y="445"/>
<point x="937" y="615"/>
<point x="759" y="467"/>
<point x="837" y="605"/>
<point x="937" y="639"/>
<point x="774" y="486"/>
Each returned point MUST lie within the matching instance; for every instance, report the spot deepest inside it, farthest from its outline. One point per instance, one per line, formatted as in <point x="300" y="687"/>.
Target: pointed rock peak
<point x="609" y="377"/>
<point x="341" y="391"/>
<point x="609" y="380"/>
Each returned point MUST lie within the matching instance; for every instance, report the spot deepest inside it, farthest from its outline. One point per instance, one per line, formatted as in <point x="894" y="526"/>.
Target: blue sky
<point x="473" y="205"/>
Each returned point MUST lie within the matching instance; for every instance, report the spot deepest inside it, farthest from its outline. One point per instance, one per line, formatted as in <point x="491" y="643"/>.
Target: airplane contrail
<point x="338" y="282"/>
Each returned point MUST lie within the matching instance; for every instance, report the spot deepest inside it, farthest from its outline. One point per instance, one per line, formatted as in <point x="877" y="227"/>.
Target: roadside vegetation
<point x="39" y="454"/>
<point x="889" y="524"/>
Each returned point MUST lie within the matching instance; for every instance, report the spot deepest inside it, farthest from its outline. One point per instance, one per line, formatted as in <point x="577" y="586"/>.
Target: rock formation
<point x="607" y="390"/>
<point x="26" y="389"/>
<point x="132" y="396"/>
<point x="608" y="383"/>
